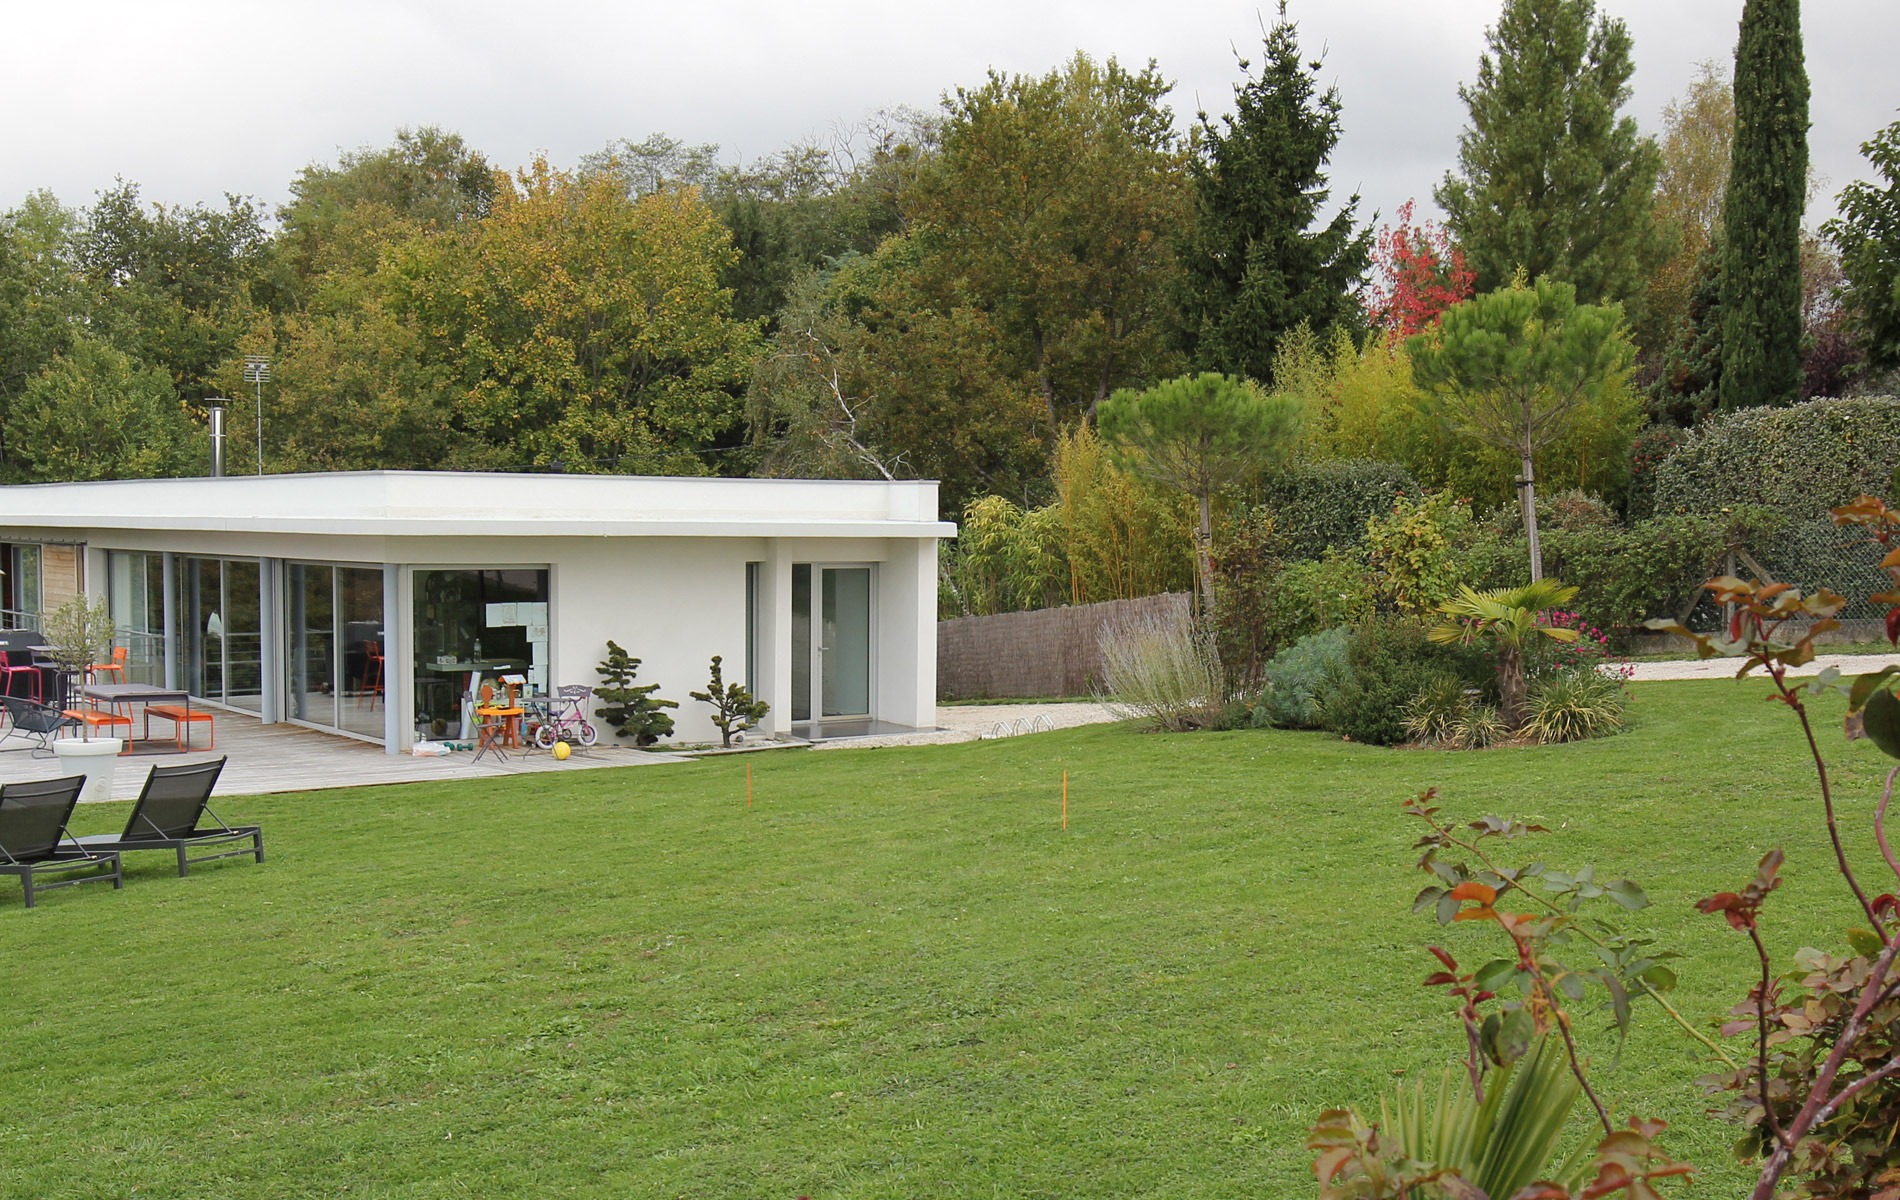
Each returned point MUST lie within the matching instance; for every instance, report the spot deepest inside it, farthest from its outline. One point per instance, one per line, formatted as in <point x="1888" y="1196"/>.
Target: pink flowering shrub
<point x="1590" y="651"/>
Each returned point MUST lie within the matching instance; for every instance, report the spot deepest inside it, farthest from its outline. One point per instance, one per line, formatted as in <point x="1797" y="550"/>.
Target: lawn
<point x="894" y="975"/>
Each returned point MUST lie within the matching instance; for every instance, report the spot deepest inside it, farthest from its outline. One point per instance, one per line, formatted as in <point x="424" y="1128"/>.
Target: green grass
<point x="895" y="975"/>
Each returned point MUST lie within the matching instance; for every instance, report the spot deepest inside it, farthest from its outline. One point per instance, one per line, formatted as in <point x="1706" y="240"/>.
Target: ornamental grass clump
<point x="1163" y="670"/>
<point x="1479" y="727"/>
<point x="1574" y="704"/>
<point x="1432" y="716"/>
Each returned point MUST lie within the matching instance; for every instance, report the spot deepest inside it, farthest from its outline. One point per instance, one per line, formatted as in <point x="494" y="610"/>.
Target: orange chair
<point x="116" y="667"/>
<point x="497" y="725"/>
<point x="372" y="673"/>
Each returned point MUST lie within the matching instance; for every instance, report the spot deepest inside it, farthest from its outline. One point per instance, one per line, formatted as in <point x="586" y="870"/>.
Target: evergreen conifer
<point x="1767" y="195"/>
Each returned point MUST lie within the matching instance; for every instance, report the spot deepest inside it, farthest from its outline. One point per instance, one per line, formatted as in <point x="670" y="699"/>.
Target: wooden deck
<point x="290" y="758"/>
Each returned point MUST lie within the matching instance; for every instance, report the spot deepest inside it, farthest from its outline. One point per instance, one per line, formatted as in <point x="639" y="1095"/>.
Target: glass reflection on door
<point x="335" y="625"/>
<point x="844" y="648"/>
<point x="831" y="644"/>
<point x="220" y="631"/>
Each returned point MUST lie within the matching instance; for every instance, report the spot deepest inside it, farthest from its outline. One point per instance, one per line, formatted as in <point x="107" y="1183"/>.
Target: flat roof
<point x="491" y="504"/>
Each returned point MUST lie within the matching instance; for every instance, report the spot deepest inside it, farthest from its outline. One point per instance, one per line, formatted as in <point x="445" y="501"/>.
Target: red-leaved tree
<point x="1417" y="273"/>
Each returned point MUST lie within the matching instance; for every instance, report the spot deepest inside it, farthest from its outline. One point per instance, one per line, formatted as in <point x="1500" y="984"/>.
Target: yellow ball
<point x="561" y="751"/>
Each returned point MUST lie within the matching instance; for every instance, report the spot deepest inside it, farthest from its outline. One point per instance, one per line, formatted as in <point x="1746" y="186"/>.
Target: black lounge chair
<point x="40" y="722"/>
<point x="167" y="814"/>
<point x="33" y="837"/>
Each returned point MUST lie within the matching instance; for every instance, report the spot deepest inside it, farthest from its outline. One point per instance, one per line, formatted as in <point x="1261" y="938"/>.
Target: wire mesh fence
<point x="1810" y="554"/>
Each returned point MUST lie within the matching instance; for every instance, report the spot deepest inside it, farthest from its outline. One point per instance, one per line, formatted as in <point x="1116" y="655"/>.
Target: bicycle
<point x="563" y="719"/>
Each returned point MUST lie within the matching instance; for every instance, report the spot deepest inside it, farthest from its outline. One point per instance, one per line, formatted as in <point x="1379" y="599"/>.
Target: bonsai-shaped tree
<point x="80" y="632"/>
<point x="734" y="708"/>
<point x="1199" y="434"/>
<point x="1507" y="617"/>
<point x="1511" y="368"/>
<point x="633" y="710"/>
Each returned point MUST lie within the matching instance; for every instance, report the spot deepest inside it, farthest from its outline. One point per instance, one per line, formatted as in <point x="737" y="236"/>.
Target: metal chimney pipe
<point x="217" y="441"/>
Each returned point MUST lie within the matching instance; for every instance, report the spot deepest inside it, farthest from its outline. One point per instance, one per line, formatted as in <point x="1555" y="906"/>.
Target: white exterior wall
<point x="657" y="565"/>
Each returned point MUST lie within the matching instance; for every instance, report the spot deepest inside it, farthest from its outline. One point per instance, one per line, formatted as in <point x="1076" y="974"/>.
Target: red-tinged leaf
<point x="1891" y="561"/>
<point x="1473" y="890"/>
<point x="1476" y="914"/>
<point x="1735" y="627"/>
<point x="1329" y="1164"/>
<point x="1439" y="979"/>
<point x="1893" y="626"/>
<point x="1611" y="1177"/>
<point x="1768" y="868"/>
<point x="1451" y="964"/>
<point x="1541" y="1191"/>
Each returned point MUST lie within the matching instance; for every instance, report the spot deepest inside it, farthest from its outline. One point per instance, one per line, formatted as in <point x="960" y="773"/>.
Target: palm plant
<point x="1508" y="618"/>
<point x="1504" y="1141"/>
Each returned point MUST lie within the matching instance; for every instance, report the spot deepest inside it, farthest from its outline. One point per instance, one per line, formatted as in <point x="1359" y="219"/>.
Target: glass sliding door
<point x="220" y="631"/>
<point x="19" y="587"/>
<point x="310" y="592"/>
<point x="359" y="608"/>
<point x="801" y="642"/>
<point x="844" y="649"/>
<point x="135" y="591"/>
<point x="471" y="625"/>
<point x="334" y="626"/>
<point x="831" y="642"/>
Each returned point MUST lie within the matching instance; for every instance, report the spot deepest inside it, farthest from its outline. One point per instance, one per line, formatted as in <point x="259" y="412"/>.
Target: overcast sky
<point x="194" y="99"/>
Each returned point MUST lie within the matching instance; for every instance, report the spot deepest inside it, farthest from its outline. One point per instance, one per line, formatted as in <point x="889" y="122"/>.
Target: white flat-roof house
<point x="366" y="603"/>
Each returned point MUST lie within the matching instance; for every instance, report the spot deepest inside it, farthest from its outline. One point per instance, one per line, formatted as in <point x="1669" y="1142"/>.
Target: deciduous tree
<point x="1867" y="233"/>
<point x="94" y="413"/>
<point x="1051" y="211"/>
<point x="1697" y="143"/>
<point x="1417" y="273"/>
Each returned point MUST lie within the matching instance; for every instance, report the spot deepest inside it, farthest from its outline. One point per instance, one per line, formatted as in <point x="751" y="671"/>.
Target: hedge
<point x="1320" y="505"/>
<point x="1801" y="461"/>
<point x="1653" y="568"/>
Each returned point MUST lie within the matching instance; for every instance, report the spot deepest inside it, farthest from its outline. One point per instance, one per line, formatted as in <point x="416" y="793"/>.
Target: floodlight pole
<point x="257" y="370"/>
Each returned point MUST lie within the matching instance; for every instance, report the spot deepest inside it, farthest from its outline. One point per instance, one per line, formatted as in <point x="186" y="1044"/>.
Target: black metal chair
<point x="166" y="817"/>
<point x="39" y="722"/>
<point x="33" y="837"/>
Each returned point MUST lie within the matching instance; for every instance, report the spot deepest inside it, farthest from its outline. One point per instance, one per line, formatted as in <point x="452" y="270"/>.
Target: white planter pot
<point x="97" y="760"/>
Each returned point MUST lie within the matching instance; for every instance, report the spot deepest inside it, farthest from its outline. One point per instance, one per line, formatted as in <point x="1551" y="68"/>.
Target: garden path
<point x="1725" y="668"/>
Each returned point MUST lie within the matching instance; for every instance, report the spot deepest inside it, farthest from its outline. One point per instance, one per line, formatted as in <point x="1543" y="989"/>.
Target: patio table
<point x="116" y="694"/>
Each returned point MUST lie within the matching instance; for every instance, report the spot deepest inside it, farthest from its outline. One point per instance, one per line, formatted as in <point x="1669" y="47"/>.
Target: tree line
<point x="951" y="294"/>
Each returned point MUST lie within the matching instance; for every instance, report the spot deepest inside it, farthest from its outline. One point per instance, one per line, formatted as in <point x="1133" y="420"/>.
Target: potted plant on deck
<point x="80" y="632"/>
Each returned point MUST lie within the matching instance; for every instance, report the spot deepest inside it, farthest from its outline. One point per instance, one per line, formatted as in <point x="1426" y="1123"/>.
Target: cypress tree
<point x="1253" y="271"/>
<point x="1550" y="180"/>
<point x="1767" y="194"/>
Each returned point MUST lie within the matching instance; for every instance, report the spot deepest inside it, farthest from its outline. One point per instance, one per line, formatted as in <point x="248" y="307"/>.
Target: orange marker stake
<point x="1065" y="799"/>
<point x="748" y="785"/>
